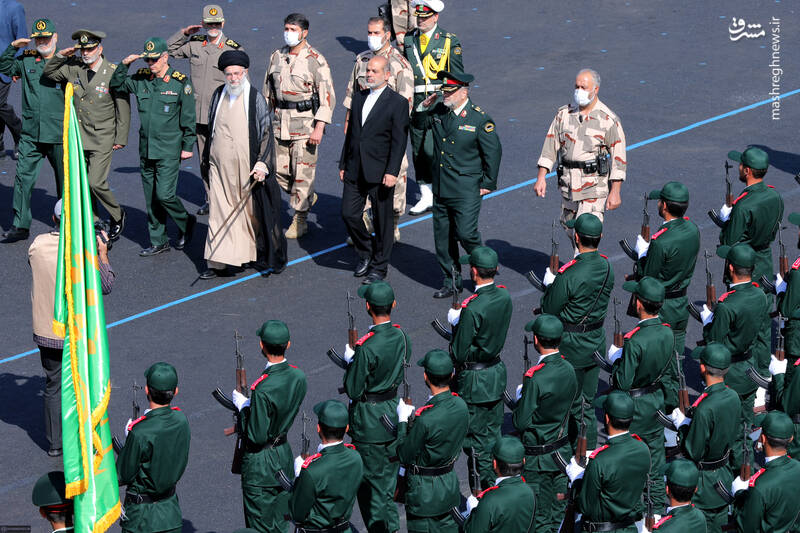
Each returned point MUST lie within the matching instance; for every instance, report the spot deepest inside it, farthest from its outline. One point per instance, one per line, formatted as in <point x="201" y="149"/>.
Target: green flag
<point x="89" y="468"/>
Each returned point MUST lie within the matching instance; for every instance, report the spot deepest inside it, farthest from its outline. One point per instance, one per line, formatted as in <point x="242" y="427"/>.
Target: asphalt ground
<point x="685" y="92"/>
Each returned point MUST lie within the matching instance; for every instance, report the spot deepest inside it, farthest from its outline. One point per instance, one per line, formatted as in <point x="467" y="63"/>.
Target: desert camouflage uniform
<point x="403" y="19"/>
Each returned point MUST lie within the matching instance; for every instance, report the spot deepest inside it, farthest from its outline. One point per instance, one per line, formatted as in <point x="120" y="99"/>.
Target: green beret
<point x="273" y="332"/>
<point x="377" y="293"/>
<point x="777" y="425"/>
<point x="161" y="376"/>
<point x="154" y="47"/>
<point x="740" y="254"/>
<point x="648" y="288"/>
<point x="332" y="413"/>
<point x="794" y="218"/>
<point x="752" y="157"/>
<point x="617" y="404"/>
<point x="673" y="191"/>
<point x="546" y="327"/>
<point x="42" y="28"/>
<point x="509" y="450"/>
<point x="480" y="257"/>
<point x="713" y="354"/>
<point x="50" y="490"/>
<point x="683" y="473"/>
<point x="587" y="224"/>
<point x="437" y="363"/>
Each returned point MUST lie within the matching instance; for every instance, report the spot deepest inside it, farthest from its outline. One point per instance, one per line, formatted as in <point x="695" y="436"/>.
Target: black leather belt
<point x="542" y="449"/>
<point x="338" y="528"/>
<point x="428" y="470"/>
<point x="641" y="391"/>
<point x="390" y="394"/>
<point x="606" y="526"/>
<point x="714" y="465"/>
<point x="481" y="366"/>
<point x="796" y="418"/>
<point x="589" y="167"/>
<point x="582" y="328"/>
<point x="303" y="105"/>
<point x="739" y="357"/>
<point x="675" y="294"/>
<point x="133" y="498"/>
<point x="274" y="443"/>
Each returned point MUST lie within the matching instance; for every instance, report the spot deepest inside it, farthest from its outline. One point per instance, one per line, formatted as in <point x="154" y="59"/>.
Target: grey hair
<point x="593" y="73"/>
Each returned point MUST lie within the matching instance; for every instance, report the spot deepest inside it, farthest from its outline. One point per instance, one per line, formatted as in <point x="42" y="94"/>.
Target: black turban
<point x="233" y="57"/>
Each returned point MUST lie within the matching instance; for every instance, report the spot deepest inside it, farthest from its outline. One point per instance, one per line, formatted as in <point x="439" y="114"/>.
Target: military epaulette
<point x="348" y="445"/>
<point x="456" y="394"/>
<point x="422" y="409"/>
<point x="291" y="365"/>
<point x="480" y="495"/>
<point x="175" y="408"/>
<point x="178" y="76"/>
<point x="534" y="369"/>
<point x="598" y="450"/>
<point x="637" y="437"/>
<point x="233" y="44"/>
<point x="478" y="109"/>
<point x="259" y="380"/>
<point x="364" y="339"/>
<point x="663" y="520"/>
<point x="30" y="53"/>
<point x="755" y="477"/>
<point x="631" y="332"/>
<point x="396" y="326"/>
<point x="796" y="264"/>
<point x="197" y="38"/>
<point x="113" y="66"/>
<point x="566" y="266"/>
<point x="722" y="298"/>
<point x="144" y="72"/>
<point x="756" y="285"/>
<point x="739" y="198"/>
<point x="797" y="363"/>
<point x="134" y="422"/>
<point x="604" y="256"/>
<point x="468" y="300"/>
<point x="771" y="186"/>
<point x="703" y="397"/>
<point x="310" y="459"/>
<point x="502" y="287"/>
<point x="656" y="234"/>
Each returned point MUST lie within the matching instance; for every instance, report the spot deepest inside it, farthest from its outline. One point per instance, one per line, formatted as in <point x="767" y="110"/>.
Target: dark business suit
<point x="370" y="151"/>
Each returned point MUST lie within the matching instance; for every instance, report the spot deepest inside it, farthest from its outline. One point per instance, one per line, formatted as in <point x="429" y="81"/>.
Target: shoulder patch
<point x="233" y="44"/>
<point x="422" y="409"/>
<point x="187" y="89"/>
<point x="30" y="53"/>
<point x="722" y="298"/>
<point x="631" y="332"/>
<point x="364" y="339"/>
<point x="739" y="198"/>
<point x="480" y="495"/>
<point x="656" y="234"/>
<point x="348" y="445"/>
<point x="311" y="459"/>
<point x="259" y="380"/>
<point x="178" y="76"/>
<point x="134" y="422"/>
<point x="144" y="71"/>
<point x="703" y="397"/>
<point x="532" y="370"/>
<point x="197" y="37"/>
<point x="796" y="264"/>
<point x="566" y="266"/>
<point x="488" y="127"/>
<point x="597" y="451"/>
<point x="468" y="300"/>
<point x="456" y="50"/>
<point x="755" y="477"/>
<point x="663" y="520"/>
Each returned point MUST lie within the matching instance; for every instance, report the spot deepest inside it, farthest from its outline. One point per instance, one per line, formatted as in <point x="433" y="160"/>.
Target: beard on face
<point x="235" y="88"/>
<point x="46" y="49"/>
<point x="373" y="84"/>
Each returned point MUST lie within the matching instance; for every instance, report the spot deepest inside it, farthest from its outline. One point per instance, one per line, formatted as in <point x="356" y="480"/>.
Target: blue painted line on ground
<point x="417" y="220"/>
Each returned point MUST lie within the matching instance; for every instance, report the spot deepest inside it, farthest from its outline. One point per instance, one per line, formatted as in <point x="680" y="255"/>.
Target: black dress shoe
<point x="361" y="268"/>
<point x="154" y="250"/>
<point x="445" y="292"/>
<point x="16" y="234"/>
<point x="372" y="277"/>
<point x="209" y="273"/>
<point x="186" y="236"/>
<point x="203" y="209"/>
<point x="117" y="226"/>
<point x="55" y="452"/>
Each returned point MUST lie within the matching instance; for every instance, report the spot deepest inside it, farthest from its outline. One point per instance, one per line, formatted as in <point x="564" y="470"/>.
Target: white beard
<point x="234" y="90"/>
<point x="46" y="50"/>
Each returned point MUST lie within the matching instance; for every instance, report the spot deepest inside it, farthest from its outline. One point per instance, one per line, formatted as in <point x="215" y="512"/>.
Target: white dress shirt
<point x="369" y="103"/>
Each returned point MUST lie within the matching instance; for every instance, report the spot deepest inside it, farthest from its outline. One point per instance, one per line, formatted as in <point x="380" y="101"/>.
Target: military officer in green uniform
<point x="466" y="161"/>
<point x="104" y="115"/>
<point x="479" y="333"/>
<point x="265" y="419"/>
<point x="707" y="438"/>
<point x="645" y="368"/>
<point x="578" y="295"/>
<point x="42" y="121"/>
<point x="670" y="257"/>
<point x="49" y="495"/>
<point x="325" y="489"/>
<point x="768" y="501"/>
<point x="546" y="415"/>
<point x="430" y="50"/>
<point x="609" y="495"/>
<point x="166" y="136"/>
<point x="681" y="516"/>
<point x="376" y="370"/>
<point x="428" y="446"/>
<point x="154" y="457"/>
<point x="508" y="505"/>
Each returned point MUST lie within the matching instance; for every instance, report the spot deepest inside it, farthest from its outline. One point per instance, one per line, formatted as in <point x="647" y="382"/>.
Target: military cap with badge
<point x="43" y="28"/>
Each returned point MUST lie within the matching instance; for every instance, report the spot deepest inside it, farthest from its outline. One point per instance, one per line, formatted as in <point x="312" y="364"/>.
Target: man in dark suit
<point x="373" y="149"/>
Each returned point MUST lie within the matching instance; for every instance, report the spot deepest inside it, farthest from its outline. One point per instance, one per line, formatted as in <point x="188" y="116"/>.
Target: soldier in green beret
<point x="578" y="295"/>
<point x="104" y="115"/>
<point x="43" y="121"/>
<point x="681" y="515"/>
<point x="428" y="446"/>
<point x="479" y="333"/>
<point x="376" y="370"/>
<point x="166" y="110"/>
<point x="325" y="489"/>
<point x="768" y="501"/>
<point x="508" y="505"/>
<point x="154" y="457"/>
<point x="547" y="413"/>
<point x="265" y="419"/>
<point x="49" y="495"/>
<point x="708" y="437"/>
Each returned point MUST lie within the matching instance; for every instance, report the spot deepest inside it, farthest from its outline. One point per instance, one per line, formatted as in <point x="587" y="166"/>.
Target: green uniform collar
<point x="336" y="448"/>
<point x="716" y="387"/>
<point x="381" y="327"/>
<point x="778" y="462"/>
<point x="159" y="411"/>
<point x="440" y="397"/>
<point x="655" y="321"/>
<point x="756" y="187"/>
<point x="487" y="288"/>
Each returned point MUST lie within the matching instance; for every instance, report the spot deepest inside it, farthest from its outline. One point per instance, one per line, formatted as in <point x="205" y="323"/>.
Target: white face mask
<point x="88" y="57"/>
<point x="291" y="38"/>
<point x="375" y="42"/>
<point x="582" y="97"/>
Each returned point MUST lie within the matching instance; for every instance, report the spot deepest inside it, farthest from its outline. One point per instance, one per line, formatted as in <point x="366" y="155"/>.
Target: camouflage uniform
<point x="571" y="139"/>
<point x="403" y="19"/>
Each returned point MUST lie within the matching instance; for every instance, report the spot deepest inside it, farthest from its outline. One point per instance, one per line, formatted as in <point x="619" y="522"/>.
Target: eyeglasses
<point x="213" y="24"/>
<point x="151" y="59"/>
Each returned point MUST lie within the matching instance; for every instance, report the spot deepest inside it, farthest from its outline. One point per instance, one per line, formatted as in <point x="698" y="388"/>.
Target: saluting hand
<point x="66" y="52"/>
<point x="20" y="43"/>
<point x="131" y="58"/>
<point x="194" y="28"/>
<point x="430" y="99"/>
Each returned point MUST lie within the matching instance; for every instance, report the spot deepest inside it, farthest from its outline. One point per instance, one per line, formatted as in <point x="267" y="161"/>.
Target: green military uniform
<point x="274" y="401"/>
<point x="709" y="439"/>
<point x="166" y="112"/>
<point x="507" y="506"/>
<point x="579" y="297"/>
<point x="671" y="258"/>
<point x="546" y="415"/>
<point x="42" y="122"/>
<point x="428" y="445"/>
<point x="104" y="115"/>
<point x="478" y="339"/>
<point x="325" y="491"/>
<point x="770" y="502"/>
<point x="371" y="382"/>
<point x="685" y="517"/>
<point x="152" y="461"/>
<point x="49" y="494"/>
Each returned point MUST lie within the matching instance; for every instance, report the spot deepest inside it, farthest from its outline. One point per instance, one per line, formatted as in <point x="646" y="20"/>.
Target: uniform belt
<point x="796" y="418"/>
<point x="739" y="357"/>
<point x="714" y="465"/>
<point x="481" y="366"/>
<point x="284" y="104"/>
<point x="542" y="449"/>
<point x="390" y="394"/>
<point x="429" y="470"/>
<point x="340" y="527"/>
<point x="589" y="166"/>
<point x="675" y="294"/>
<point x="133" y="498"/>
<point x="582" y="328"/>
<point x="606" y="526"/>
<point x="274" y="443"/>
<point x="426" y="88"/>
<point x="641" y="391"/>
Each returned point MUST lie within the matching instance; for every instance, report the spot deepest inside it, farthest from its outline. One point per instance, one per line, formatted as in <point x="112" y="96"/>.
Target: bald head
<point x="377" y="72"/>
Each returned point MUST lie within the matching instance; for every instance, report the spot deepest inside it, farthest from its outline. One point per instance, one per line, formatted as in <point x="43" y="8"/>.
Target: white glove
<point x="755" y="435"/>
<point x="298" y="465"/>
<point x="574" y="470"/>
<point x="127" y="426"/>
<point x="453" y="316"/>
<point x="239" y="400"/>
<point x="670" y="438"/>
<point x="614" y="353"/>
<point x="679" y="419"/>
<point x="725" y="212"/>
<point x="780" y="284"/>
<point x="761" y="397"/>
<point x="707" y="315"/>
<point x="549" y="277"/>
<point x="641" y="246"/>
<point x="640" y="527"/>
<point x="519" y="392"/>
<point x="777" y="367"/>
<point x="404" y="411"/>
<point x="739" y="484"/>
<point x="472" y="503"/>
<point x="348" y="354"/>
